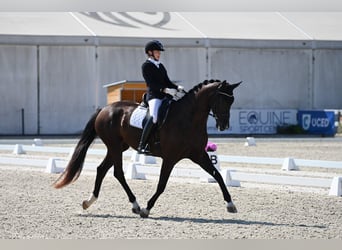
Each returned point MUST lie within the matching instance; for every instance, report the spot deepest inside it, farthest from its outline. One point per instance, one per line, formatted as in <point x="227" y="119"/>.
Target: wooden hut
<point x="125" y="90"/>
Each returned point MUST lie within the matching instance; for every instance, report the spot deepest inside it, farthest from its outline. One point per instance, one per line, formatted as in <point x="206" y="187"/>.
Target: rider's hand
<point x="170" y="91"/>
<point x="180" y="88"/>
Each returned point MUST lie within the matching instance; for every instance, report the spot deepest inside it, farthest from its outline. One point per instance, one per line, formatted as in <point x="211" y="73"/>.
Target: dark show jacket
<point x="156" y="80"/>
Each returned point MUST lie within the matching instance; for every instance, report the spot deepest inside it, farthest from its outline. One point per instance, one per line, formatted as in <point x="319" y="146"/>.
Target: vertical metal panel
<point x="272" y="78"/>
<point x="18" y="89"/>
<point x="328" y="79"/>
<point x="118" y="63"/>
<point x="67" y="88"/>
<point x="187" y="65"/>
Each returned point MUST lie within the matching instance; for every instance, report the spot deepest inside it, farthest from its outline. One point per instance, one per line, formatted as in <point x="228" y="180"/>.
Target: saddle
<point x="141" y="114"/>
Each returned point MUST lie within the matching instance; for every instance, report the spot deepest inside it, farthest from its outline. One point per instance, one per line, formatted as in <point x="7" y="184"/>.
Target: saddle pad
<point x="137" y="117"/>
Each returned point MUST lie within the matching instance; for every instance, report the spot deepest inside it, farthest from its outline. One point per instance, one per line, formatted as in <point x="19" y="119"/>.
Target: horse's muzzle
<point x="222" y="126"/>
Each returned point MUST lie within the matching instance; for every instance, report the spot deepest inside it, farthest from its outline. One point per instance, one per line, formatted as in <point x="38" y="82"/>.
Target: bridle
<point x="222" y="93"/>
<point x="215" y="115"/>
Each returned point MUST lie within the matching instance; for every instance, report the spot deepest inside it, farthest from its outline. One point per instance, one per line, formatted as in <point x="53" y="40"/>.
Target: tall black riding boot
<point x="145" y="135"/>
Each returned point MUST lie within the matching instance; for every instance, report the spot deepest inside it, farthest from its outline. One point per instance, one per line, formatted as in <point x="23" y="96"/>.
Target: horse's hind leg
<point x="204" y="161"/>
<point x="101" y="172"/>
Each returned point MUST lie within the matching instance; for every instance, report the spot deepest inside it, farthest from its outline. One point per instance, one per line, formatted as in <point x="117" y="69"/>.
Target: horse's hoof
<point x="85" y="205"/>
<point x="136" y="210"/>
<point x="231" y="208"/>
<point x="144" y="213"/>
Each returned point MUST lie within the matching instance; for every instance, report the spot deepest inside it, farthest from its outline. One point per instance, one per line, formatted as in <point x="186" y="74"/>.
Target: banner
<point x="255" y="121"/>
<point x="317" y="121"/>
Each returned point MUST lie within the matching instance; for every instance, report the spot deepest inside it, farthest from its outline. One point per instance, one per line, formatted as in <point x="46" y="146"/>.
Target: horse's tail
<point x="75" y="165"/>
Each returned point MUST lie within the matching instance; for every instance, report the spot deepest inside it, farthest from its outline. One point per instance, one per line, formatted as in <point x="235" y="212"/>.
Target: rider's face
<point x="156" y="54"/>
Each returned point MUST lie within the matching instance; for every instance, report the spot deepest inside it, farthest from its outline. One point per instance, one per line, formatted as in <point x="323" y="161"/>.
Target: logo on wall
<point x="306" y="121"/>
<point x="252" y="118"/>
<point x="132" y="19"/>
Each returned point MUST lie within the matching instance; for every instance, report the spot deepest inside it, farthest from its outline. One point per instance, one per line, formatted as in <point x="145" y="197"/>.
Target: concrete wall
<point x="59" y="85"/>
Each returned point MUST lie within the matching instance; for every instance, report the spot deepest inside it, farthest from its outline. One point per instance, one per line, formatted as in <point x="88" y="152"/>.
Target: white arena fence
<point x="138" y="169"/>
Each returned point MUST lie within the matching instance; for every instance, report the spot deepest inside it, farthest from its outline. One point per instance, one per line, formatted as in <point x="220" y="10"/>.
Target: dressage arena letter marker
<point x="336" y="186"/>
<point x="216" y="162"/>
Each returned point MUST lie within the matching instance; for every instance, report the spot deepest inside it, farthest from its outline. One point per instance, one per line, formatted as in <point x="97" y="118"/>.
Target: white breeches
<point x="154" y="105"/>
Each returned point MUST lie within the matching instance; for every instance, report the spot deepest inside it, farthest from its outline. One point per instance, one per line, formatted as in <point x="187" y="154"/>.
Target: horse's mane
<point x="199" y="86"/>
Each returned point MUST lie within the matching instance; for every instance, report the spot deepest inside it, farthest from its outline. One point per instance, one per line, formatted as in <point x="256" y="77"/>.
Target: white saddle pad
<point x="137" y="117"/>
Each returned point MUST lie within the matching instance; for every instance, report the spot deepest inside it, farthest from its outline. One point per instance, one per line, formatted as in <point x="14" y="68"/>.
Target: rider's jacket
<point x="156" y="79"/>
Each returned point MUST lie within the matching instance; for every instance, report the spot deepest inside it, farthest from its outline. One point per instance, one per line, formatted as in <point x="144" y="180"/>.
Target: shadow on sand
<point x="201" y="220"/>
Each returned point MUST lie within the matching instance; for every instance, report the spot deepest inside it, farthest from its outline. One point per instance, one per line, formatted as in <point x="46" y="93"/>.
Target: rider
<point x="158" y="86"/>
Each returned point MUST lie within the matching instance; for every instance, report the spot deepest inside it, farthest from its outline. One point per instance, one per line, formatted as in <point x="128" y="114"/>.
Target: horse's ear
<point x="234" y="85"/>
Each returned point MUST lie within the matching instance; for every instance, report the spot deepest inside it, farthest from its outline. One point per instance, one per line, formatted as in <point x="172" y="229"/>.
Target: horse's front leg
<point x="119" y="175"/>
<point x="204" y="161"/>
<point x="165" y="172"/>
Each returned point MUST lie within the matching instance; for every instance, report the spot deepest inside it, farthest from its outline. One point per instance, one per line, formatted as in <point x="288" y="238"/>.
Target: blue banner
<point x="317" y="122"/>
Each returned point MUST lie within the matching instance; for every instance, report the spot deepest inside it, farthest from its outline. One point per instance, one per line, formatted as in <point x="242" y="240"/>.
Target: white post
<point x="289" y="164"/>
<point x="18" y="149"/>
<point x="250" y="141"/>
<point x="52" y="168"/>
<point x="37" y="142"/>
<point x="147" y="159"/>
<point x="336" y="186"/>
<point x="132" y="173"/>
<point x="228" y="178"/>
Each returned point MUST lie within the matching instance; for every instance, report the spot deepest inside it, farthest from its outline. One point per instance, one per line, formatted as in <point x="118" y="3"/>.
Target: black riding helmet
<point x="154" y="45"/>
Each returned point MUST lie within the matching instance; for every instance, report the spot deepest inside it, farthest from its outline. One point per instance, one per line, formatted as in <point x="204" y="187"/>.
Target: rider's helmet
<point x="154" y="45"/>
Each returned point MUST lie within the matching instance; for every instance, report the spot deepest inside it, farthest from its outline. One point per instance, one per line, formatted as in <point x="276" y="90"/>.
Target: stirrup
<point x="145" y="150"/>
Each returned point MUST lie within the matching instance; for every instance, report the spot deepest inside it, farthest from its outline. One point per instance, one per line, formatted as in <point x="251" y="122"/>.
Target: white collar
<point x="154" y="61"/>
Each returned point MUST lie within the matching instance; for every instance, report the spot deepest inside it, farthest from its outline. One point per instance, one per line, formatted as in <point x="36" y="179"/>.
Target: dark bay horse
<point x="183" y="135"/>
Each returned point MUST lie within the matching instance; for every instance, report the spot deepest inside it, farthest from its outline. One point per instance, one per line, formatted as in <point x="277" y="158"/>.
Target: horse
<point x="182" y="135"/>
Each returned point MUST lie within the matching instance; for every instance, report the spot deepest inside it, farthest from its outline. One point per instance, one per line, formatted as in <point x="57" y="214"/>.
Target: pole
<point x="23" y="121"/>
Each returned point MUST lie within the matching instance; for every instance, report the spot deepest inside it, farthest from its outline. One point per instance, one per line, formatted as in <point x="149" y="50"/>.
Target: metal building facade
<point x="51" y="80"/>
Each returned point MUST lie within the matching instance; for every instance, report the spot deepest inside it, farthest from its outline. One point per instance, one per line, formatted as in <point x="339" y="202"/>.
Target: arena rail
<point x="139" y="170"/>
<point x="19" y="149"/>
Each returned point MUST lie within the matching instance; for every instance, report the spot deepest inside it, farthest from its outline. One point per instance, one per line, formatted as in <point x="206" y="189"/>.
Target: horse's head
<point x="222" y="100"/>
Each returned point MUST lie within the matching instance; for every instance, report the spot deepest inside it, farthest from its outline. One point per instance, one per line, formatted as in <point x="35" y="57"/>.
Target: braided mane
<point x="201" y="85"/>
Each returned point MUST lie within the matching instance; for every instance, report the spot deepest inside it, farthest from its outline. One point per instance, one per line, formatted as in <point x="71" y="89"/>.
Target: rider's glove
<point x="170" y="91"/>
<point x="180" y="88"/>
